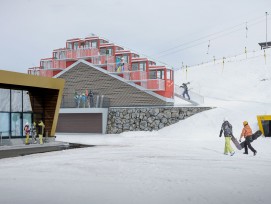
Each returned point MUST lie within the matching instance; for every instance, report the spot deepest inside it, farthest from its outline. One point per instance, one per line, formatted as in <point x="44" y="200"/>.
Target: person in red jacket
<point x="246" y="133"/>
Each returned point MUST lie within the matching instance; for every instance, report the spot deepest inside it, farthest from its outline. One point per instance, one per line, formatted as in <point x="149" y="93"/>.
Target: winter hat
<point x="225" y="119"/>
<point x="26" y="123"/>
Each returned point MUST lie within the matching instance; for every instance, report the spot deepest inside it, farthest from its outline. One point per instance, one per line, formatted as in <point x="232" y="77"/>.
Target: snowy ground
<point x="183" y="163"/>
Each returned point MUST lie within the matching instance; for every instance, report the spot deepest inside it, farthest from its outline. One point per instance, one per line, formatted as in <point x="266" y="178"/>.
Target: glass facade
<point x="15" y="111"/>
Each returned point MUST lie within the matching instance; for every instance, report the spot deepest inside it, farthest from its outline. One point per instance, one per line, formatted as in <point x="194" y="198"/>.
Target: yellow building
<point x="27" y="98"/>
<point x="264" y="122"/>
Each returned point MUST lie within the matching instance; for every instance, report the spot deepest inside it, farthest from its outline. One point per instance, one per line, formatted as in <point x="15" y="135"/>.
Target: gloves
<point x="240" y="140"/>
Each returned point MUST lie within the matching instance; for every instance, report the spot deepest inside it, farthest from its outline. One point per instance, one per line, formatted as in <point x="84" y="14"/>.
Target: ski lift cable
<point x="189" y="42"/>
<point x="219" y="36"/>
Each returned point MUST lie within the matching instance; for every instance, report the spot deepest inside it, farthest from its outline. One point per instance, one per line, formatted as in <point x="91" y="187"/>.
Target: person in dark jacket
<point x="227" y="129"/>
<point x="91" y="98"/>
<point x="185" y="92"/>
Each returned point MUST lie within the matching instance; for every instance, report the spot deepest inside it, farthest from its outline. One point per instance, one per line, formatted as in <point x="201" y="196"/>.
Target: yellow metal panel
<point x="15" y="78"/>
<point x="260" y="118"/>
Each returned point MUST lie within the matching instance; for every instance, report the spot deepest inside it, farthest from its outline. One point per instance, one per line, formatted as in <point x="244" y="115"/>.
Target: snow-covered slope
<point x="241" y="78"/>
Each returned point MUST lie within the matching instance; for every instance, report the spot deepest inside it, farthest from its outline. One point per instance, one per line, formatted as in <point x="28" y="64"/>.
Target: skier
<point x="227" y="128"/>
<point x="41" y="127"/>
<point x="246" y="133"/>
<point x="185" y="92"/>
<point x="27" y="132"/>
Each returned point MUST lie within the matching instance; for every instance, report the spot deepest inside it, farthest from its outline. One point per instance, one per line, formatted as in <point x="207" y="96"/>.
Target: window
<point x="76" y="45"/>
<point x="69" y="45"/>
<point x="109" y="51"/>
<point x="62" y="55"/>
<point x="55" y="55"/>
<point x="16" y="101"/>
<point x="16" y="124"/>
<point x="152" y="74"/>
<point x="135" y="67"/>
<point x="103" y="51"/>
<point x="4" y="121"/>
<point x="169" y="75"/>
<point x="87" y="45"/>
<point x="160" y="74"/>
<point x="94" y="44"/>
<point x="142" y="66"/>
<point x="125" y="59"/>
<point x="26" y="102"/>
<point x="5" y="100"/>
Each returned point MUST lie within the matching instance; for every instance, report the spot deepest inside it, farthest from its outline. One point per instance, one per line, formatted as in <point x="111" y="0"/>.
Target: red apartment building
<point x="113" y="58"/>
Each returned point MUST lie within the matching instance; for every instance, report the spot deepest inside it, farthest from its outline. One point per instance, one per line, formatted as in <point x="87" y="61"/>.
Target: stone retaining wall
<point x="147" y="119"/>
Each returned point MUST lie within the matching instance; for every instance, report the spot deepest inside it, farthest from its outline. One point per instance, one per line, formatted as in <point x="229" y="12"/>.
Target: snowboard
<point x="236" y="143"/>
<point x="254" y="136"/>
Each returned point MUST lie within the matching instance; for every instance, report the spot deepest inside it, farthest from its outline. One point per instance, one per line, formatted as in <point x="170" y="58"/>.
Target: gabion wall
<point x="147" y="119"/>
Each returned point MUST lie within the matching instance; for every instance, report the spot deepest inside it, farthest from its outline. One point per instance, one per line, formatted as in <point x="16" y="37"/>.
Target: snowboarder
<point x="246" y="133"/>
<point x="27" y="132"/>
<point x="185" y="92"/>
<point x="227" y="128"/>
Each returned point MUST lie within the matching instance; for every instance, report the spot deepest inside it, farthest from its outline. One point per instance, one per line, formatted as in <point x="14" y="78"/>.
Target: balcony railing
<point x="135" y="76"/>
<point x="154" y="84"/>
<point x="71" y="100"/>
<point x="80" y="53"/>
<point x="118" y="67"/>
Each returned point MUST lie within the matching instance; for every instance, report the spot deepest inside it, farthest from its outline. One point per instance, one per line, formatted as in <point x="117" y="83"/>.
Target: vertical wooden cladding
<point x="79" y="123"/>
<point x="44" y="101"/>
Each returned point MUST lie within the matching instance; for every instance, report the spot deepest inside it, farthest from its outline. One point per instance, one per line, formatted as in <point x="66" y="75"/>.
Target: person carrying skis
<point x="246" y="133"/>
<point x="227" y="129"/>
<point x="185" y="92"/>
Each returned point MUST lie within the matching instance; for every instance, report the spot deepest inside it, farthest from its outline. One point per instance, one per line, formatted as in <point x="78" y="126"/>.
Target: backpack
<point x="227" y="128"/>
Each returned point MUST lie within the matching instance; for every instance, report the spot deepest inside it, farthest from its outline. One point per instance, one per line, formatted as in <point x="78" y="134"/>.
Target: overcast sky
<point x="31" y="29"/>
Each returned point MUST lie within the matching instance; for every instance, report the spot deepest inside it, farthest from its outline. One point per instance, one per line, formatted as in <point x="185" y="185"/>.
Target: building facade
<point x="112" y="58"/>
<point x="25" y="98"/>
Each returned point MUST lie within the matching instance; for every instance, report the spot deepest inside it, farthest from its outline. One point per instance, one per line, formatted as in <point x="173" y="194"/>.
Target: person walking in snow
<point x="227" y="129"/>
<point x="246" y="133"/>
<point x="185" y="92"/>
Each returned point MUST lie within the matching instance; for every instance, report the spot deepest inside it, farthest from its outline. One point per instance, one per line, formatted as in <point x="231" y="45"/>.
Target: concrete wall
<point x="147" y="119"/>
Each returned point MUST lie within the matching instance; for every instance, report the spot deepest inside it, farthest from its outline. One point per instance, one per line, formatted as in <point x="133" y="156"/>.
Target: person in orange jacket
<point x="246" y="133"/>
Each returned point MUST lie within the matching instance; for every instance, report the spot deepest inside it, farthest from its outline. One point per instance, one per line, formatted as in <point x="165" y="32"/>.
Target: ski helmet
<point x="225" y="119"/>
<point x="245" y="123"/>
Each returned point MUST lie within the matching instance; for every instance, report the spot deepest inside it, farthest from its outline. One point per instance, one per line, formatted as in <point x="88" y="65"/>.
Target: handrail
<point x="194" y="97"/>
